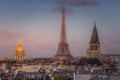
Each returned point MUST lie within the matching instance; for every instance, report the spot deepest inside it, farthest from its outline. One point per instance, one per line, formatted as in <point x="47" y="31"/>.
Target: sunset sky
<point x="38" y="23"/>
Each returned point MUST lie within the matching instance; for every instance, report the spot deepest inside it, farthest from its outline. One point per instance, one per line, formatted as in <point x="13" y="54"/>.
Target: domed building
<point x="19" y="52"/>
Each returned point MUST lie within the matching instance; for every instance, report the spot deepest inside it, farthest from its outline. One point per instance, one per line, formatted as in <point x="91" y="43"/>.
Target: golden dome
<point x="19" y="47"/>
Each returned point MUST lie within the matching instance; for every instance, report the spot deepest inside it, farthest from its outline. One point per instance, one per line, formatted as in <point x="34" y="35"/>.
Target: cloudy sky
<point x="38" y="23"/>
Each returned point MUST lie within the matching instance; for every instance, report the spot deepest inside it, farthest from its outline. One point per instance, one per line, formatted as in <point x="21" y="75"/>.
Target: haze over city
<point x="38" y="25"/>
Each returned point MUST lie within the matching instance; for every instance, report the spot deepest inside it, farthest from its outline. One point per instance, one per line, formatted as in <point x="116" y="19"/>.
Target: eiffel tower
<point x="63" y="53"/>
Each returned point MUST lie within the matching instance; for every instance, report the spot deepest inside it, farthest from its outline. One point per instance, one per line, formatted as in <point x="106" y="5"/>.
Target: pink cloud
<point x="111" y="44"/>
<point x="12" y="35"/>
<point x="5" y="34"/>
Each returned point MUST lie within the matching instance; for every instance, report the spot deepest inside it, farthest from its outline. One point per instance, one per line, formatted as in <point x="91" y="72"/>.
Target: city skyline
<point x="39" y="26"/>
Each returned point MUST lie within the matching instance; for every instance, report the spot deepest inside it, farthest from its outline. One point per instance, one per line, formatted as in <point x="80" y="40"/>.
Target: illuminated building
<point x="19" y="52"/>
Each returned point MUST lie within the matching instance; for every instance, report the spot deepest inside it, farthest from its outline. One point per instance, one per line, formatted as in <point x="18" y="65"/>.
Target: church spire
<point x="94" y="38"/>
<point x="94" y="46"/>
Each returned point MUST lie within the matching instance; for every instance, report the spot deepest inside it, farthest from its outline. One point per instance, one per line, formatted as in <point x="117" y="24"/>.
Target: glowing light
<point x="20" y="47"/>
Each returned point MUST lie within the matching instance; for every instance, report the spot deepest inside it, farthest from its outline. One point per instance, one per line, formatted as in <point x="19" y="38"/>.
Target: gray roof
<point x="94" y="38"/>
<point x="2" y="71"/>
<point x="100" y="78"/>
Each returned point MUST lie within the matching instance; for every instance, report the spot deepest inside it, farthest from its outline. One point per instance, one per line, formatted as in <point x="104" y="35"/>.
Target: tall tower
<point x="63" y="52"/>
<point x="19" y="52"/>
<point x="94" y="46"/>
